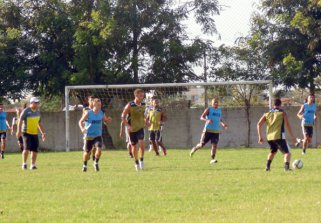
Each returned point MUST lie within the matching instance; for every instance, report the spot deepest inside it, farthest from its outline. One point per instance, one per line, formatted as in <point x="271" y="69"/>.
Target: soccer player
<point x="155" y="117"/>
<point x="307" y="114"/>
<point x="275" y="134"/>
<point x="4" y="125"/>
<point x="91" y="124"/>
<point x="28" y="124"/>
<point x="212" y="116"/>
<point x="121" y="134"/>
<point x="14" y="125"/>
<point x="90" y="100"/>
<point x="136" y="124"/>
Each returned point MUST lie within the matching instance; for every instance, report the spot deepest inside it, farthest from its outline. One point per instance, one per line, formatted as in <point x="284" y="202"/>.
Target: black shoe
<point x="33" y="168"/>
<point x="96" y="166"/>
<point x="267" y="169"/>
<point x="24" y="167"/>
<point x="2" y="156"/>
<point x="84" y="169"/>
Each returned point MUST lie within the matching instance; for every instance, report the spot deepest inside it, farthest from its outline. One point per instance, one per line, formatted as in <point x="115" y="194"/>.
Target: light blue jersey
<point x="94" y="124"/>
<point x="3" y="119"/>
<point x="215" y="115"/>
<point x="308" y="114"/>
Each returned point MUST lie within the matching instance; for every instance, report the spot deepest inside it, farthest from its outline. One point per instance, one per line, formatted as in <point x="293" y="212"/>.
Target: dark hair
<point x="138" y="91"/>
<point x="277" y="102"/>
<point x="90" y="96"/>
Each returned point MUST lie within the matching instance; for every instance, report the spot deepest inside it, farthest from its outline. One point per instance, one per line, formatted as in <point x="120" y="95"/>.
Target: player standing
<point x="135" y="110"/>
<point x="213" y="118"/>
<point x="91" y="124"/>
<point x="275" y="134"/>
<point x="14" y="126"/>
<point x="4" y="125"/>
<point x="307" y="114"/>
<point x="28" y="124"/>
<point x="155" y="117"/>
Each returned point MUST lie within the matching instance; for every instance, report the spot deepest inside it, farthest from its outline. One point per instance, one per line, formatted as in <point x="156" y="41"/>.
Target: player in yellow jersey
<point x="155" y="118"/>
<point x="275" y="134"/>
<point x="28" y="126"/>
<point x="133" y="117"/>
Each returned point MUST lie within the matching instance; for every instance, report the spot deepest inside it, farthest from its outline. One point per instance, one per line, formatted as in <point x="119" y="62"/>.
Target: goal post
<point x="170" y="92"/>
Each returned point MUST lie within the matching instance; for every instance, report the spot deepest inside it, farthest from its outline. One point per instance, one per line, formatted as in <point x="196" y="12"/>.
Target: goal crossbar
<point x="160" y="85"/>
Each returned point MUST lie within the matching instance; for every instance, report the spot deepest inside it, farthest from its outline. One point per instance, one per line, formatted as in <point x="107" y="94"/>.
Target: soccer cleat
<point x="2" y="156"/>
<point x="213" y="161"/>
<point x="96" y="166"/>
<point x="84" y="169"/>
<point x="303" y="153"/>
<point x="33" y="168"/>
<point x="267" y="169"/>
<point x="24" y="166"/>
<point x="141" y="165"/>
<point x="137" y="167"/>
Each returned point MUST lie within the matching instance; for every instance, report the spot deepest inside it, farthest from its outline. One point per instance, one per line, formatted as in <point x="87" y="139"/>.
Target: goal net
<point x="182" y="102"/>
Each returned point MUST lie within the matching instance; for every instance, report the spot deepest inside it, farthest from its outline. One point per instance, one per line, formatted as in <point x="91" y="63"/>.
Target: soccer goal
<point x="174" y="98"/>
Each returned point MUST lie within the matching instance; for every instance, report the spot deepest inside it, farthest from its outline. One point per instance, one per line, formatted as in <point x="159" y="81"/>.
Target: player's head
<point x="311" y="99"/>
<point x="139" y="94"/>
<point x="34" y="102"/>
<point x="215" y="102"/>
<point x="90" y="99"/>
<point x="96" y="103"/>
<point x="277" y="102"/>
<point x="1" y="107"/>
<point x="155" y="102"/>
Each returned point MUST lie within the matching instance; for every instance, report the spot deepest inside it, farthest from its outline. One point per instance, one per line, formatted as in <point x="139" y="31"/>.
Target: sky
<point x="233" y="21"/>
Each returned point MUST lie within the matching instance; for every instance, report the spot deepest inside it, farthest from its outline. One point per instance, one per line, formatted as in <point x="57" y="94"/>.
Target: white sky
<point x="232" y="22"/>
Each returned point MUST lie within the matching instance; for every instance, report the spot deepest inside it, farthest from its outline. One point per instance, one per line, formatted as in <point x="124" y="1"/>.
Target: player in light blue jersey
<point x="307" y="114"/>
<point x="4" y="125"/>
<point x="91" y="124"/>
<point x="213" y="122"/>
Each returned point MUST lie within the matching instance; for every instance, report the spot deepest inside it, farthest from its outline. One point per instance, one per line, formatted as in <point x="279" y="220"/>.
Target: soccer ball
<point x="297" y="164"/>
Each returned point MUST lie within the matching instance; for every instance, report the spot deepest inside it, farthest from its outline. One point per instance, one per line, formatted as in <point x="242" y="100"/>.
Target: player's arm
<point x="82" y="120"/>
<point x="21" y="118"/>
<point x="300" y="113"/>
<point x="124" y="116"/>
<point x="121" y="133"/>
<point x="224" y="124"/>
<point x="288" y="126"/>
<point x="8" y="125"/>
<point x="203" y="116"/>
<point x="107" y="120"/>
<point x="41" y="129"/>
<point x="13" y="123"/>
<point x="259" y="128"/>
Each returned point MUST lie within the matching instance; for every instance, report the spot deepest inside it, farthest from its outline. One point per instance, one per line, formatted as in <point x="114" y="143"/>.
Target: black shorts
<point x="207" y="136"/>
<point x="3" y="136"/>
<point x="308" y="131"/>
<point x="155" y="136"/>
<point x="134" y="137"/>
<point x="90" y="143"/>
<point x="280" y="144"/>
<point x="30" y="142"/>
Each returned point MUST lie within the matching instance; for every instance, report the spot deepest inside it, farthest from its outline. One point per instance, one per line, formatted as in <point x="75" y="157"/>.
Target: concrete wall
<point x="182" y="129"/>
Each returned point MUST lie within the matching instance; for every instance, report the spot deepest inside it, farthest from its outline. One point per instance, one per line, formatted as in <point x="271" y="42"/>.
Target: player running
<point x="307" y="114"/>
<point x="275" y="134"/>
<point x="213" y="118"/>
<point x="91" y="124"/>
<point x="155" y="117"/>
<point x="4" y="125"/>
<point x="135" y="125"/>
<point x="14" y="126"/>
<point x="28" y="125"/>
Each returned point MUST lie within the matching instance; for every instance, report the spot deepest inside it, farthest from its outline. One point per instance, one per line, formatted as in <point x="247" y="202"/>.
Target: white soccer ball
<point x="297" y="164"/>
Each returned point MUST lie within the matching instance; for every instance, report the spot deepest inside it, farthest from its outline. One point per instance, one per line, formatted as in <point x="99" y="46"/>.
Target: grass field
<point x="175" y="188"/>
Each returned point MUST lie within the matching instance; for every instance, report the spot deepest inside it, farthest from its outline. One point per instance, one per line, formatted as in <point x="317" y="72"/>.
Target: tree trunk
<point x="135" y="43"/>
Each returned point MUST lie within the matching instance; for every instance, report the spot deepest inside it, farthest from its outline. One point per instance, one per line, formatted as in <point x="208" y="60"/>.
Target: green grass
<point x="175" y="188"/>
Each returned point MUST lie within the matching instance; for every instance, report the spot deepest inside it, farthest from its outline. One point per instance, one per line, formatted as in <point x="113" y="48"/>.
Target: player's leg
<point x="204" y="139"/>
<point x="34" y="151"/>
<point x="3" y="144"/>
<point x="93" y="152"/>
<point x="87" y="150"/>
<point x="285" y="149"/>
<point x="152" y="139"/>
<point x="27" y="146"/>
<point x="98" y="145"/>
<point x="20" y="143"/>
<point x="129" y="149"/>
<point x="215" y="137"/>
<point x="307" y="130"/>
<point x="133" y="141"/>
<point x="160" y="143"/>
<point x="273" y="151"/>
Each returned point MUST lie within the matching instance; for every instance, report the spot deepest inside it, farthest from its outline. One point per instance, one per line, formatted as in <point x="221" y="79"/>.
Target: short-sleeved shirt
<point x="94" y="124"/>
<point x="3" y="119"/>
<point x="308" y="114"/>
<point x="137" y="116"/>
<point x="155" y="115"/>
<point x="214" y="114"/>
<point x="30" y="121"/>
<point x="275" y="124"/>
